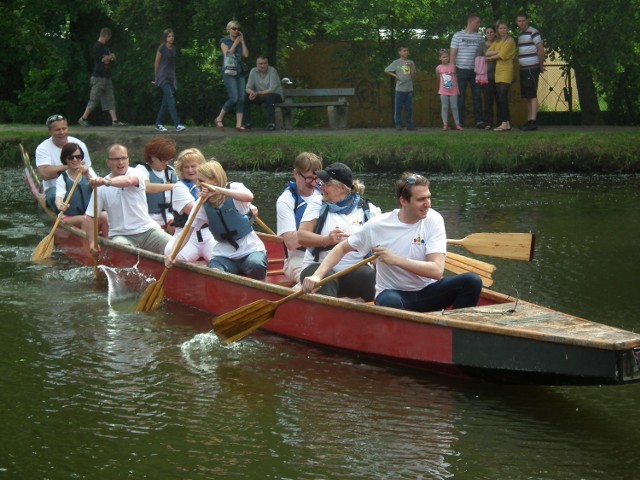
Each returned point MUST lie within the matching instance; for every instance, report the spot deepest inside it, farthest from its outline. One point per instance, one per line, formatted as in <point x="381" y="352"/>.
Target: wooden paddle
<point x="516" y="246"/>
<point x="460" y="264"/>
<point x="153" y="295"/>
<point x="264" y="226"/>
<point x="95" y="229"/>
<point x="239" y="323"/>
<point x="45" y="247"/>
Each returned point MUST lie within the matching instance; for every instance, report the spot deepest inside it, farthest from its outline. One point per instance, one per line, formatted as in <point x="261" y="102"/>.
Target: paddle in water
<point x="154" y="293"/>
<point x="45" y="247"/>
<point x="239" y="323"/>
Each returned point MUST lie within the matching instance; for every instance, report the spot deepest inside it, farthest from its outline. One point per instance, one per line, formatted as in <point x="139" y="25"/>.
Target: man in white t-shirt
<point x="125" y="202"/>
<point x="290" y="208"/>
<point x="411" y="244"/>
<point x="48" y="156"/>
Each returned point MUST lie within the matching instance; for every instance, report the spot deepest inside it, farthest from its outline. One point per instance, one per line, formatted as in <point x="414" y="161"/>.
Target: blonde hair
<point x="190" y="154"/>
<point x="231" y="24"/>
<point x="212" y="169"/>
<point x="358" y="187"/>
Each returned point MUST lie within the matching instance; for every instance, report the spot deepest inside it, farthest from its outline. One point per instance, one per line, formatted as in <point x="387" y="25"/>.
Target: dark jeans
<point x="459" y="291"/>
<point x="489" y="98"/>
<point x="268" y="100"/>
<point x="502" y="97"/>
<point x="468" y="77"/>
<point x="403" y="100"/>
<point x="168" y="104"/>
<point x="360" y="283"/>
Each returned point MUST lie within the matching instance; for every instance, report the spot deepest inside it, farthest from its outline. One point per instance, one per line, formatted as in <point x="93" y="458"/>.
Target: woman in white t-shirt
<point x="185" y="194"/>
<point x="324" y="225"/>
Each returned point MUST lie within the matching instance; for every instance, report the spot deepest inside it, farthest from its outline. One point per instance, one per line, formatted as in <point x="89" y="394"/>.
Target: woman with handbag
<point x="233" y="50"/>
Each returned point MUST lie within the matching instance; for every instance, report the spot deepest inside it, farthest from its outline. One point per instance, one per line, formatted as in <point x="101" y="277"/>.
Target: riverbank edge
<point x="602" y="150"/>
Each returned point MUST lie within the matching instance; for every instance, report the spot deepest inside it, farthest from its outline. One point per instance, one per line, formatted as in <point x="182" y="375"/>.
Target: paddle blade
<point x="240" y="322"/>
<point x="516" y="246"/>
<point x="151" y="298"/>
<point x="44" y="248"/>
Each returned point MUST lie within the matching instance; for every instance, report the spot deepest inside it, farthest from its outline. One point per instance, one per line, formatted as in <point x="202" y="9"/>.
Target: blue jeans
<point x="459" y="291"/>
<point x="168" y="103"/>
<point x="253" y="265"/>
<point x="235" y="91"/>
<point x="468" y="77"/>
<point x="403" y="100"/>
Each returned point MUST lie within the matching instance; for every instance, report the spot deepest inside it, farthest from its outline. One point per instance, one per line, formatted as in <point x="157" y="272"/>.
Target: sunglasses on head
<point x="54" y="118"/>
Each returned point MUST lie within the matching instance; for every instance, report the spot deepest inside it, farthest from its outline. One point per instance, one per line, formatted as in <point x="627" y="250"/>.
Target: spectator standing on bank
<point x="531" y="58"/>
<point x="164" y="68"/>
<point x="488" y="90"/>
<point x="403" y="70"/>
<point x="464" y="46"/>
<point x="263" y="88"/>
<point x="503" y="52"/>
<point x="448" y="91"/>
<point x="101" y="84"/>
<point x="234" y="82"/>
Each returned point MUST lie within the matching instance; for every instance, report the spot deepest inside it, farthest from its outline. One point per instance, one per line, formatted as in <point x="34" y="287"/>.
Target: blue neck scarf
<point x="193" y="189"/>
<point x="346" y="205"/>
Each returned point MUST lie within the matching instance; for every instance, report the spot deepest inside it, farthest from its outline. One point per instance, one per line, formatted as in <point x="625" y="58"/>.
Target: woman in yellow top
<point x="503" y="51"/>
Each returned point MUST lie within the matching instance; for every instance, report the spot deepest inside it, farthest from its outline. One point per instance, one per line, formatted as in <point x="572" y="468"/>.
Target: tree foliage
<point x="47" y="62"/>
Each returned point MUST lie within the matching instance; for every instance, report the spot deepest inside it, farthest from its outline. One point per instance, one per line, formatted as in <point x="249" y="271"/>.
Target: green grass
<point x="606" y="152"/>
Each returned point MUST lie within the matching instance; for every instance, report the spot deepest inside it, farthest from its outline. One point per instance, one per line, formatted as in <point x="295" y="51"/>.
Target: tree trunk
<point x="591" y="114"/>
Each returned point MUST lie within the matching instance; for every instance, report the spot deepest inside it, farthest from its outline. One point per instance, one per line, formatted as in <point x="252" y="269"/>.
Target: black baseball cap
<point x="336" y="171"/>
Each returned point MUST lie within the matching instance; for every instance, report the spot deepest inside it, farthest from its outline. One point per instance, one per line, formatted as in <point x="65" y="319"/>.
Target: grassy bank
<point x="575" y="149"/>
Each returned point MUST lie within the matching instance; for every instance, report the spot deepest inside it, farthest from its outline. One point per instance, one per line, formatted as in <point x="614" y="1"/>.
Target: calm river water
<point x="90" y="392"/>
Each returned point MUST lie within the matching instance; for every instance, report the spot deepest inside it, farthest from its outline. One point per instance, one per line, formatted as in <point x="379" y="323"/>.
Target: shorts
<point x="102" y="93"/>
<point x="529" y="82"/>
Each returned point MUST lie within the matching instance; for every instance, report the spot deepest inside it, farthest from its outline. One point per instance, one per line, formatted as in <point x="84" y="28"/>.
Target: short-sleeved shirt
<point x="286" y="221"/>
<point x="167" y="67"/>
<point x="403" y="69"/>
<point x="448" y="80"/>
<point x="126" y="207"/>
<point x="466" y="45"/>
<point x="101" y="69"/>
<point x="527" y="47"/>
<point x="48" y="153"/>
<point x="260" y="83"/>
<point x="414" y="241"/>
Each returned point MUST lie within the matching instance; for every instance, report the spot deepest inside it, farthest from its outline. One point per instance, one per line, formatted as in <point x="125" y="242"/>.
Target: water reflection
<point x="91" y="390"/>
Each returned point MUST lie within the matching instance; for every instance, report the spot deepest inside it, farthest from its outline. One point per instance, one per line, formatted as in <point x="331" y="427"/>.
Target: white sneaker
<point x="160" y="128"/>
<point x="180" y="128"/>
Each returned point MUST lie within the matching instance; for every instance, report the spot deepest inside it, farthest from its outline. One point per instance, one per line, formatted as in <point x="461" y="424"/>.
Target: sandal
<point x="459" y="127"/>
<point x="242" y="129"/>
<point x="219" y="125"/>
<point x="445" y="128"/>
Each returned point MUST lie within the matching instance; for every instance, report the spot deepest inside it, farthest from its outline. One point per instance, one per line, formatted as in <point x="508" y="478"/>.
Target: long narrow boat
<point x="500" y="340"/>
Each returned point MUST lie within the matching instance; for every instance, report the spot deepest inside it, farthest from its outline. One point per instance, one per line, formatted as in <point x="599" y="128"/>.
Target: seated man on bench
<point x="263" y="87"/>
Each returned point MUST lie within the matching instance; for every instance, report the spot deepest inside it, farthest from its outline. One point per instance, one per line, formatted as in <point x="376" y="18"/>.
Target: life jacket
<point x="226" y="223"/>
<point x="180" y="219"/>
<point x="80" y="198"/>
<point x="156" y="201"/>
<point x="324" y="211"/>
<point x="299" y="206"/>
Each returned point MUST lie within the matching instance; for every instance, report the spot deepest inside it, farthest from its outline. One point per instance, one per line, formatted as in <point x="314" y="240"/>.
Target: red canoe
<point x="500" y="340"/>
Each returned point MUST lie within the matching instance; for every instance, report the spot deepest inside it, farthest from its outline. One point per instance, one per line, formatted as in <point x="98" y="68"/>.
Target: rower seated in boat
<point x="159" y="178"/>
<point x="185" y="193"/>
<point x="342" y="213"/>
<point x="411" y="244"/>
<point x="290" y="208"/>
<point x="238" y="248"/>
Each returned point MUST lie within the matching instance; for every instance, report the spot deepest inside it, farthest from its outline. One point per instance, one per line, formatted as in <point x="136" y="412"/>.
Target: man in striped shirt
<point x="531" y="58"/>
<point x="463" y="55"/>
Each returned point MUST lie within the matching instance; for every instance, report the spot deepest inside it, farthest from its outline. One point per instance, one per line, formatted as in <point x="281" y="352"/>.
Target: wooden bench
<point x="335" y="99"/>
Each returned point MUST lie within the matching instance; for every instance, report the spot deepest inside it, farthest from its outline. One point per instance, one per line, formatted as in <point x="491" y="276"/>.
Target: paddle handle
<point x="264" y="226"/>
<point x="185" y="232"/>
<point x="330" y="278"/>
